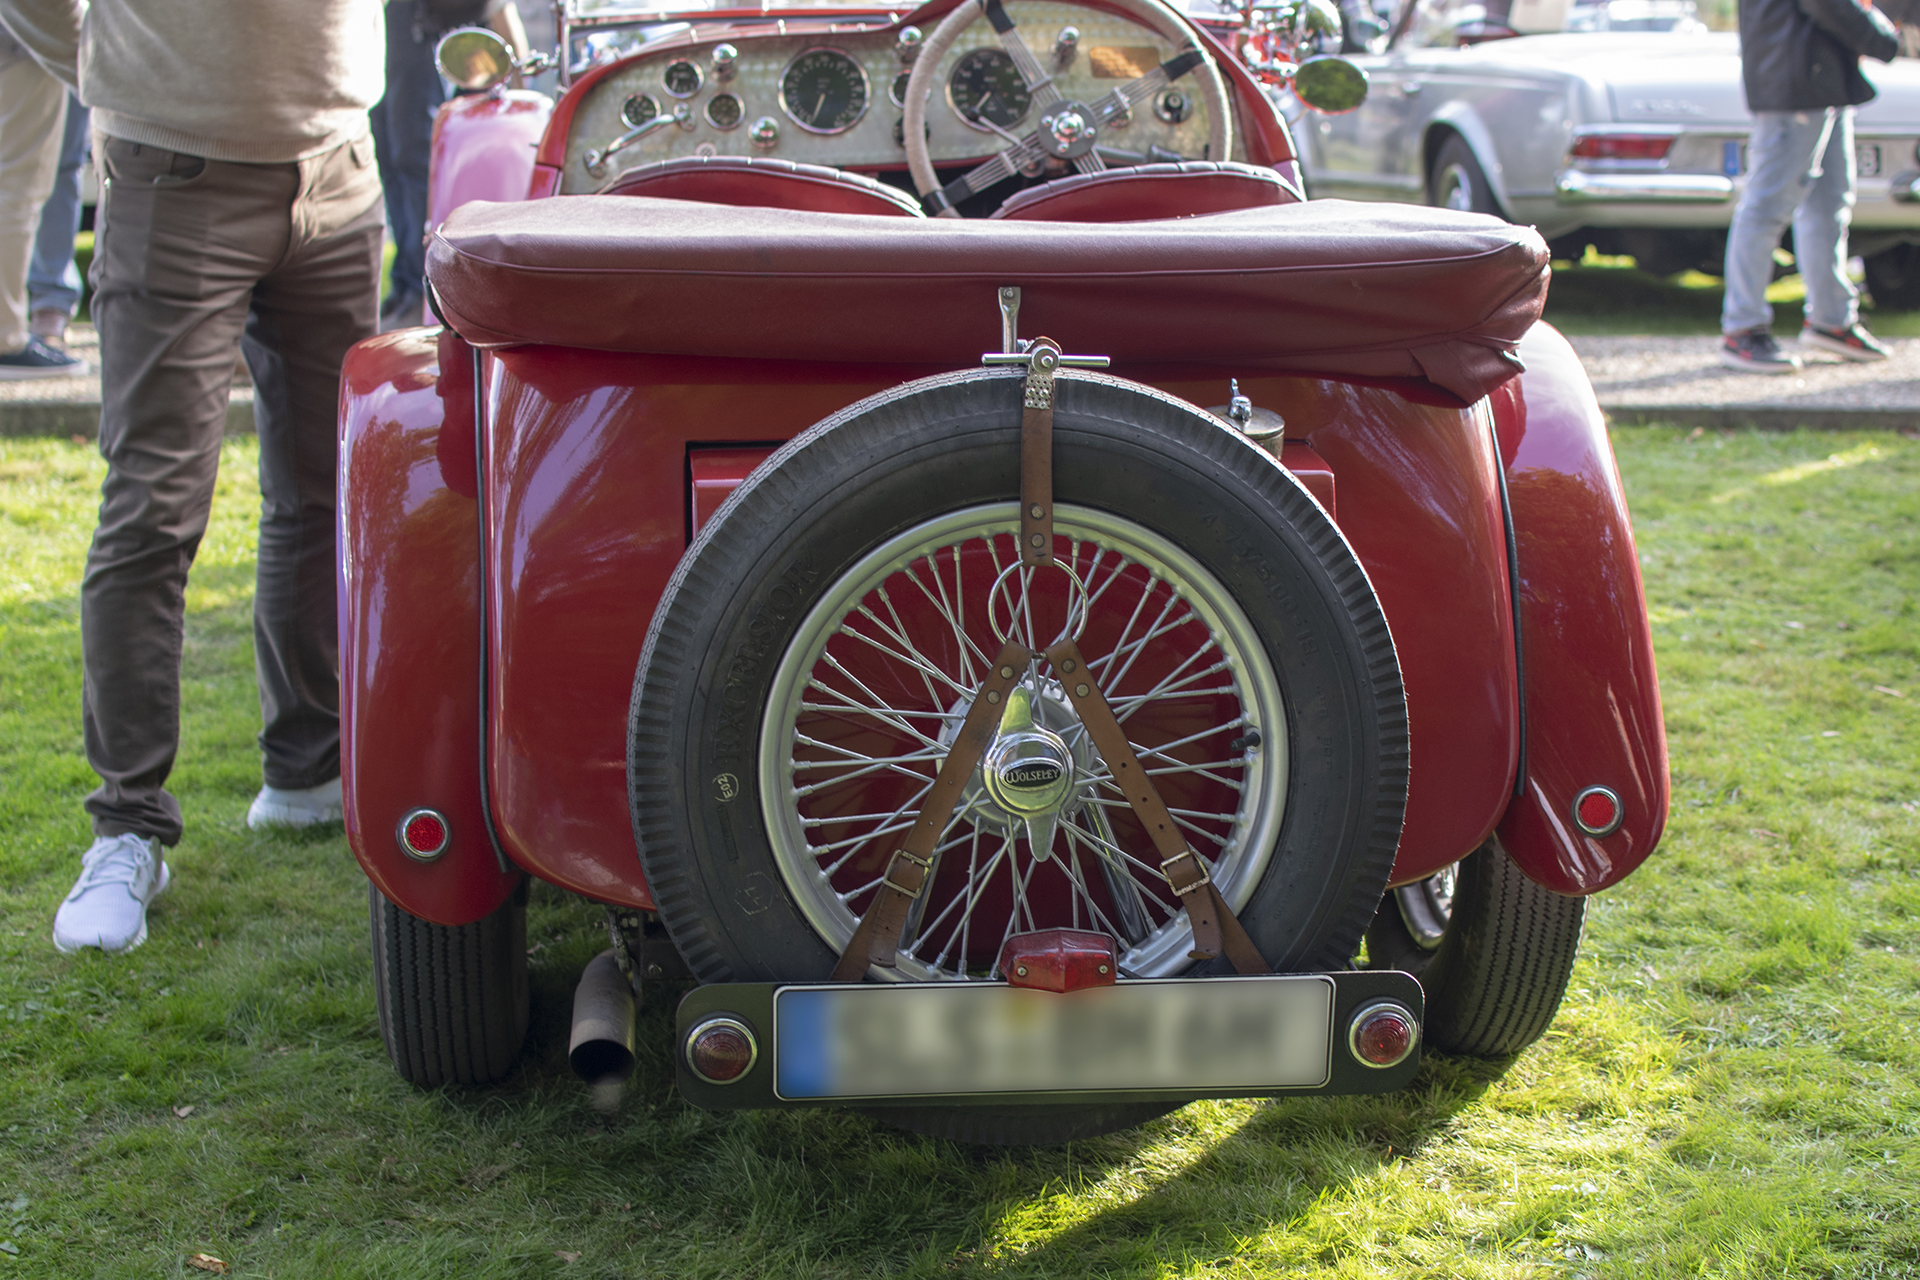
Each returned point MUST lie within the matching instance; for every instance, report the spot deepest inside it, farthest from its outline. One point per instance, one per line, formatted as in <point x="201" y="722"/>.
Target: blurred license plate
<point x="922" y="1039"/>
<point x="1866" y="159"/>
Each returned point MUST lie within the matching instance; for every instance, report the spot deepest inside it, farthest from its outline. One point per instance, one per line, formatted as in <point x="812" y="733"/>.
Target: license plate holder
<point x="806" y="1032"/>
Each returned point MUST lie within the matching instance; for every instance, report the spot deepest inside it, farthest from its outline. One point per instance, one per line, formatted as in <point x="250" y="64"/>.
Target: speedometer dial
<point x="986" y="83"/>
<point x="824" y="91"/>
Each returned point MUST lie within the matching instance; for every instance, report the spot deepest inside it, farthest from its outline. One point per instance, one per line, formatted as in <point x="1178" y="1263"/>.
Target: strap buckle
<point x="1205" y="877"/>
<point x="925" y="865"/>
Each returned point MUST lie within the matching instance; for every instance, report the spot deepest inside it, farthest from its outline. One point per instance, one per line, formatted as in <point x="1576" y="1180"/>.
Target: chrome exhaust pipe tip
<point x="601" y="1048"/>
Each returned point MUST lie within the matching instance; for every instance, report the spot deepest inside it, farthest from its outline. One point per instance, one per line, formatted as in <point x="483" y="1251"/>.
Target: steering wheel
<point x="1067" y="129"/>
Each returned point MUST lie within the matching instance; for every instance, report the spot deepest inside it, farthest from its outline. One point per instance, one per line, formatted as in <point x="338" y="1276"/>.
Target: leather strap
<point x="1036" y="455"/>
<point x="1214" y="927"/>
<point x="877" y="940"/>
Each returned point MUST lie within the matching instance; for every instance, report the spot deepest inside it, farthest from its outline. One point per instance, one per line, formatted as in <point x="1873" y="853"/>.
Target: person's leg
<point x="1820" y="248"/>
<point x="53" y="281"/>
<point x="1782" y="154"/>
<point x="32" y="104"/>
<point x="306" y="313"/>
<point x="180" y="245"/>
<point x="414" y="94"/>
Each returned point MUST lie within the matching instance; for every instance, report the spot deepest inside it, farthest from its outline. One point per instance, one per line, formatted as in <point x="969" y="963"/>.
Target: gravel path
<point x="1679" y="372"/>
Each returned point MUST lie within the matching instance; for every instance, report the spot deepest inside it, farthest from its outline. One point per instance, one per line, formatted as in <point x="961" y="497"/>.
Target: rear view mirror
<point x="474" y="59"/>
<point x="1330" y="84"/>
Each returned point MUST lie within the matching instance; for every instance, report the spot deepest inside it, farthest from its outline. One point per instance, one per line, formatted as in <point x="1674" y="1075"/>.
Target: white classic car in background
<point x="1620" y="124"/>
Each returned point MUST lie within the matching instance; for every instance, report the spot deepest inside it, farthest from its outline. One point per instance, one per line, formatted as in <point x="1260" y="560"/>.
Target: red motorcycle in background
<point x="1048" y="624"/>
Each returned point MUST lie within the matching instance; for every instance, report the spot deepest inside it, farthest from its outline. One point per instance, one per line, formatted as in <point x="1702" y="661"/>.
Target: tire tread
<point x="452" y="999"/>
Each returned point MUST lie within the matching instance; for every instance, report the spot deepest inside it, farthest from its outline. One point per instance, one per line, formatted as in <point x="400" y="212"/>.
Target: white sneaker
<point x="108" y="906"/>
<point x="309" y="808"/>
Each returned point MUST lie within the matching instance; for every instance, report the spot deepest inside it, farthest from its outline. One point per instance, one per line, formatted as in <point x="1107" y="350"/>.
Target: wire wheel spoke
<point x="872" y="691"/>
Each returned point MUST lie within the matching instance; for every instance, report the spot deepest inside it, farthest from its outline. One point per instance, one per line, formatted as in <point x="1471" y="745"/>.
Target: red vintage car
<point x="916" y="515"/>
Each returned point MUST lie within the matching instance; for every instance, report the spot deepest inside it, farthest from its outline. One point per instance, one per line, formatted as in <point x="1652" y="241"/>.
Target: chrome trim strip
<point x="1577" y="186"/>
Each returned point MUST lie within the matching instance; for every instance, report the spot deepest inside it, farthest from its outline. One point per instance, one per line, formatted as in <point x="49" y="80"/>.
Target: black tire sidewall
<point x="1456" y="150"/>
<point x="946" y="443"/>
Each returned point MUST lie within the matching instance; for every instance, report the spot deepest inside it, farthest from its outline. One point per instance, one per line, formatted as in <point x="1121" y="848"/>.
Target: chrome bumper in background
<point x="1578" y="186"/>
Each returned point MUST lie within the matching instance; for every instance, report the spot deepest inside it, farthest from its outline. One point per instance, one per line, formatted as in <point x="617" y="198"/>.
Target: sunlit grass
<point x="1730" y="1089"/>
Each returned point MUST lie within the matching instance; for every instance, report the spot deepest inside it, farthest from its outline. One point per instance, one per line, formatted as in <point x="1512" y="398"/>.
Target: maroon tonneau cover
<point x="1327" y="287"/>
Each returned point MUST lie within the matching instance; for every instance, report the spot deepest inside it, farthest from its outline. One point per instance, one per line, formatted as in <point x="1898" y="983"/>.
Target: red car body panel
<point x="1593" y="703"/>
<point x="599" y="464"/>
<point x="410" y="624"/>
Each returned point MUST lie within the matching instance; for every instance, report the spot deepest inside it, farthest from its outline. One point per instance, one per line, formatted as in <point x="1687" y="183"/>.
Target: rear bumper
<point x="1320" y="1058"/>
<point x="1578" y="186"/>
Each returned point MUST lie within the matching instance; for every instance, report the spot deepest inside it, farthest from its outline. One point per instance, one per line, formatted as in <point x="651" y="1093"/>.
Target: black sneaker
<point x="1851" y="343"/>
<point x="1755" y="351"/>
<point x="38" y="360"/>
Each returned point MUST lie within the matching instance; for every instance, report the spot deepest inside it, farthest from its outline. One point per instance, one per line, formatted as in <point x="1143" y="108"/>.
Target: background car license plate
<point x="1866" y="159"/>
<point x="959" y="1038"/>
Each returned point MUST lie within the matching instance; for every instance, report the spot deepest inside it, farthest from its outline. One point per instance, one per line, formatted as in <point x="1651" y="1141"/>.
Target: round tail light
<point x="1383" y="1034"/>
<point x="1598" y="811"/>
<point x="721" y="1050"/>
<point x="424" y="834"/>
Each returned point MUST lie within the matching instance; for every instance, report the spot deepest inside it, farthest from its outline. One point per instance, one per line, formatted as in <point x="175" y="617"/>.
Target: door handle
<point x="1410" y="87"/>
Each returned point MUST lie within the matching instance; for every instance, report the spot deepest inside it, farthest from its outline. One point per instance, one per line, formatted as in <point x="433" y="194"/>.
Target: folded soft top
<point x="1327" y="287"/>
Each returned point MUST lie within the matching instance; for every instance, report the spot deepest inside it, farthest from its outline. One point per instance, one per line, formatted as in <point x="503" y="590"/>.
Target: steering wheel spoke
<point x="1039" y="84"/>
<point x="1023" y="152"/>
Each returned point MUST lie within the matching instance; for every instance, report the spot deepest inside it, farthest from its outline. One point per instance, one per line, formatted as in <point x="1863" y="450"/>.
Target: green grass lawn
<point x="1730" y="1089"/>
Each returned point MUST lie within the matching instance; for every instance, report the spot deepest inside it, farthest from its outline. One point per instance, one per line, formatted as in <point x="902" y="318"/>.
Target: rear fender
<point x="410" y="622"/>
<point x="1591" y="698"/>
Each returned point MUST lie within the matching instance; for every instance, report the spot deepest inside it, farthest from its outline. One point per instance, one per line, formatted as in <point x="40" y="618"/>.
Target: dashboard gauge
<point x="638" y="109"/>
<point x="724" y="111"/>
<point x="986" y="83"/>
<point x="897" y="91"/>
<point x="824" y="91"/>
<point x="682" y="79"/>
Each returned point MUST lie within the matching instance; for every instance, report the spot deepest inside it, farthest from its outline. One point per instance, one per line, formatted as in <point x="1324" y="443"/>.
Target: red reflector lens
<point x="1622" y="146"/>
<point x="1598" y="811"/>
<point x="424" y="835"/>
<point x="425" y="832"/>
<point x="1382" y="1035"/>
<point x="721" y="1050"/>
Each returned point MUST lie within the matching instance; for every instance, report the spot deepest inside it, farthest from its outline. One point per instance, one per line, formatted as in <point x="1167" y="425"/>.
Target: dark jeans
<point x="403" y="139"/>
<point x="195" y="257"/>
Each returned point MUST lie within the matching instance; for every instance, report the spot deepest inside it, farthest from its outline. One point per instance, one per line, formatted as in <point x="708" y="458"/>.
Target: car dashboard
<point x="833" y="94"/>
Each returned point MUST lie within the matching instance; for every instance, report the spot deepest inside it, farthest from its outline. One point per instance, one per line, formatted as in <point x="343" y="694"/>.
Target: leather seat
<point x="1178" y="190"/>
<point x="767" y="183"/>
<point x="1325" y="287"/>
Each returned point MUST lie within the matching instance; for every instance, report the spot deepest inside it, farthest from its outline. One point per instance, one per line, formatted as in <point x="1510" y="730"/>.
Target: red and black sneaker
<point x="1851" y="343"/>
<point x="1755" y="351"/>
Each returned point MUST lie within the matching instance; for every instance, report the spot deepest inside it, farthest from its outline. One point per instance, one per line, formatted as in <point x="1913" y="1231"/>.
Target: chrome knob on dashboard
<point x="725" y="59"/>
<point x="764" y="132"/>
<point x="1066" y="47"/>
<point x="907" y="45"/>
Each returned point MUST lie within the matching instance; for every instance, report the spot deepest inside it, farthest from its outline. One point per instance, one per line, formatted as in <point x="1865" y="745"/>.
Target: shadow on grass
<point x="830" y="1191"/>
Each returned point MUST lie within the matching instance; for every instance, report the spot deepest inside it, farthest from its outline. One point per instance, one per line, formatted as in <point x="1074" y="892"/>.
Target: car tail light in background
<point x="424" y="834"/>
<point x="1383" y="1033"/>
<point x="721" y="1050"/>
<point x="1598" y="811"/>
<point x="1622" y="146"/>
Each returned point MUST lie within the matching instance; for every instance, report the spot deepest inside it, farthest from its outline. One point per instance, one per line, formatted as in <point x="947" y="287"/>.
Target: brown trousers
<point x="193" y="258"/>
